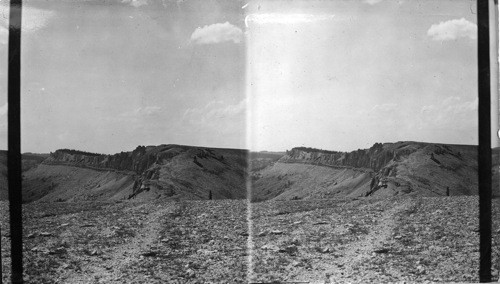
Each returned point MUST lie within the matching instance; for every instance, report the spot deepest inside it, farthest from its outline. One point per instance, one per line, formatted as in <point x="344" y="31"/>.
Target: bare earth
<point x="317" y="241"/>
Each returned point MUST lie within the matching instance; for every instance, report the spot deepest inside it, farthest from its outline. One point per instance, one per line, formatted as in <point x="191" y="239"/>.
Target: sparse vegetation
<point x="77" y="152"/>
<point x="306" y="236"/>
<point x="314" y="150"/>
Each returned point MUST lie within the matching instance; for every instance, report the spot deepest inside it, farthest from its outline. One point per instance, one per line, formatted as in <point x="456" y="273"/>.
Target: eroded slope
<point x="383" y="170"/>
<point x="143" y="174"/>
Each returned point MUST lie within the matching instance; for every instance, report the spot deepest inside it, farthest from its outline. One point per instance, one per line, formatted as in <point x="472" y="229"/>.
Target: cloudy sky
<point x="106" y="76"/>
<point x="343" y="75"/>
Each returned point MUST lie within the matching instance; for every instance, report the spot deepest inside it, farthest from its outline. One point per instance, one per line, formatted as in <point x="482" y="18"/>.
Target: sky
<point x="107" y="76"/>
<point x="342" y="75"/>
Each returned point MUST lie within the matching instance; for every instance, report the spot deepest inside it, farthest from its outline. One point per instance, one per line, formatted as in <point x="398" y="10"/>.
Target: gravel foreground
<point x="404" y="240"/>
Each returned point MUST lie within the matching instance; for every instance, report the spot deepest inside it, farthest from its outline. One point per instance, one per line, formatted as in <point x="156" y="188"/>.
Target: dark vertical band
<point x="14" y="141"/>
<point x="484" y="150"/>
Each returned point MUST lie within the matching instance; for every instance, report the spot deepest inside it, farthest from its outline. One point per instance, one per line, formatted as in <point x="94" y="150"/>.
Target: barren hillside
<point x="29" y="160"/>
<point x="143" y="174"/>
<point x="383" y="170"/>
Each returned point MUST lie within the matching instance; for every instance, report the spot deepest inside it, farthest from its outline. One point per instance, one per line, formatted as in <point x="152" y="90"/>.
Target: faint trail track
<point x="359" y="251"/>
<point x="344" y="266"/>
<point x="110" y="267"/>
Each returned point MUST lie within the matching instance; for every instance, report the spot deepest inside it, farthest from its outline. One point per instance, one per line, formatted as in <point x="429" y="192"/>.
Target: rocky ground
<point x="386" y="240"/>
<point x="316" y="241"/>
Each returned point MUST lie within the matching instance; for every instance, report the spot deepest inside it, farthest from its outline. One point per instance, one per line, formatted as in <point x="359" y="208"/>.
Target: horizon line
<point x="248" y="149"/>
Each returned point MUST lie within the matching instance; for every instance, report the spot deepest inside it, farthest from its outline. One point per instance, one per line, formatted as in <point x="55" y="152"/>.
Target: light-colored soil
<point x="366" y="241"/>
<point x="316" y="241"/>
<point x="111" y="268"/>
<point x="286" y="181"/>
<point x="402" y="168"/>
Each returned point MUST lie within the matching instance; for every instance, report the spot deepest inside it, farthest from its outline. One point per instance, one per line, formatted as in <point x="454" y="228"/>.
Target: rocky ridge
<point x="391" y="168"/>
<point x="146" y="172"/>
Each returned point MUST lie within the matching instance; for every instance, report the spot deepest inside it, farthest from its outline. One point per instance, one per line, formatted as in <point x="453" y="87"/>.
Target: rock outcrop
<point x="153" y="171"/>
<point x="393" y="168"/>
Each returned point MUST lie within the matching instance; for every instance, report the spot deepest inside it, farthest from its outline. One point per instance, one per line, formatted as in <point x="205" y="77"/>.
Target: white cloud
<point x="429" y="108"/>
<point x="227" y="110"/>
<point x="464" y="107"/>
<point x="3" y="109"/>
<point x="215" y="112"/>
<point x="373" y="2"/>
<point x="216" y="119"/>
<point x="136" y="3"/>
<point x="450" y="100"/>
<point x="452" y="105"/>
<point x="216" y="33"/>
<point x="453" y="29"/>
<point x="451" y="113"/>
<point x="385" y="107"/>
<point x="143" y="111"/>
<point x="33" y="19"/>
<point x="282" y="18"/>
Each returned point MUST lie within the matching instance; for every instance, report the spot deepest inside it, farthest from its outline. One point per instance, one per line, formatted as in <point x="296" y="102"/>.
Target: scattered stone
<point x="421" y="269"/>
<point x="30" y="236"/>
<point x="190" y="273"/>
<point x="295" y="263"/>
<point x="320" y="223"/>
<point x="398" y="237"/>
<point x="289" y="249"/>
<point x="206" y="251"/>
<point x="270" y="247"/>
<point x="382" y="250"/>
<point x="149" y="254"/>
<point x="261" y="234"/>
<point x="244" y="234"/>
<point x="323" y="250"/>
<point x="58" y="251"/>
<point x="64" y="225"/>
<point x="297" y="222"/>
<point x="494" y="272"/>
<point x="45" y="234"/>
<point x="276" y="232"/>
